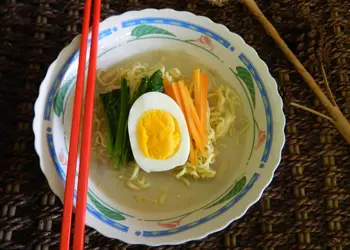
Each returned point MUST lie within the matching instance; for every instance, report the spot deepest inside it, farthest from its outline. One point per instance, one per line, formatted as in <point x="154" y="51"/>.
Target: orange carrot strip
<point x="204" y="102"/>
<point x="178" y="96"/>
<point x="197" y="90"/>
<point x="192" y="119"/>
<point x="172" y="91"/>
<point x="168" y="89"/>
<point x="192" y="111"/>
<point x="200" y="86"/>
<point x="193" y="153"/>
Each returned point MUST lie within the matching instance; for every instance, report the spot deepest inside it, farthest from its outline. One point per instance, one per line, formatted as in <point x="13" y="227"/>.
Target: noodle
<point x="221" y="116"/>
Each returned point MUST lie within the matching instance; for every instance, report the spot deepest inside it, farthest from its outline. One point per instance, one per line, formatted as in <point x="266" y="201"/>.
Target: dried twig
<point x="339" y="120"/>
<point x="327" y="85"/>
<point x="312" y="111"/>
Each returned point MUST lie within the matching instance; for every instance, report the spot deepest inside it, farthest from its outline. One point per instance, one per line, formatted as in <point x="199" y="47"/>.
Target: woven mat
<point x="307" y="206"/>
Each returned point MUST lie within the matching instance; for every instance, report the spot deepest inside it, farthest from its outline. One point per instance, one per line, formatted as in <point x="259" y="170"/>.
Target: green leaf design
<point x="143" y="30"/>
<point x="58" y="102"/>
<point x="114" y="215"/>
<point x="247" y="78"/>
<point x="236" y="188"/>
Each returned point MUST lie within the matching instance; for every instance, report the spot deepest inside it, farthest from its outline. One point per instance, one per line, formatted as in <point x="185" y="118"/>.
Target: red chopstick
<point x="78" y="242"/>
<point x="74" y="136"/>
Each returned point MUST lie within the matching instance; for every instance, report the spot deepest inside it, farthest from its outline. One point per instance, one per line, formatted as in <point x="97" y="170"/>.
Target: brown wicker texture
<point x="307" y="206"/>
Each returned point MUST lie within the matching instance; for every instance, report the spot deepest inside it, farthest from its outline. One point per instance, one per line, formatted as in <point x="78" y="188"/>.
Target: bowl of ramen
<point x="188" y="127"/>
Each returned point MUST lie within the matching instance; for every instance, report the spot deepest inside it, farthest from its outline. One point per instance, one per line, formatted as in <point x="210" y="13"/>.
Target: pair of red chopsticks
<point x="78" y="241"/>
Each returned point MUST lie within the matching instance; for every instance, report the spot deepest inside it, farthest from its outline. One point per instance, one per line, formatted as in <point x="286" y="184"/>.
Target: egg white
<point x="151" y="101"/>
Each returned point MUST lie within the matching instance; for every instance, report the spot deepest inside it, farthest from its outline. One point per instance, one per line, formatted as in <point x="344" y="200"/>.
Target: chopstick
<point x="78" y="241"/>
<point x="74" y="136"/>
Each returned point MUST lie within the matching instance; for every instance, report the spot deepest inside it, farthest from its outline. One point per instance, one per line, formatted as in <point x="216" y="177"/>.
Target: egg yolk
<point x="158" y="134"/>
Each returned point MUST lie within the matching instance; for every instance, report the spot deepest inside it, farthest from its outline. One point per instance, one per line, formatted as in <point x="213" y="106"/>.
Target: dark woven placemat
<point x="307" y="206"/>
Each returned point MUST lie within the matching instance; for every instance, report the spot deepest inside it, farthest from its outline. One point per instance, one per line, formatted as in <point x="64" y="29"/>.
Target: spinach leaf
<point x="143" y="85"/>
<point x="111" y="102"/>
<point x="148" y="84"/>
<point x="155" y="82"/>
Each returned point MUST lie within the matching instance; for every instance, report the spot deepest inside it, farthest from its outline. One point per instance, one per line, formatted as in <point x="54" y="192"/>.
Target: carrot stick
<point x="191" y="115"/>
<point x="204" y="101"/>
<point x="192" y="109"/>
<point x="172" y="91"/>
<point x="197" y="90"/>
<point x="168" y="89"/>
<point x="200" y="86"/>
<point x="193" y="153"/>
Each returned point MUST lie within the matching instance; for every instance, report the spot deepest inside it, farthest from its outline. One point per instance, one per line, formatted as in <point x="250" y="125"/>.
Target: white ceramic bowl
<point x="209" y="205"/>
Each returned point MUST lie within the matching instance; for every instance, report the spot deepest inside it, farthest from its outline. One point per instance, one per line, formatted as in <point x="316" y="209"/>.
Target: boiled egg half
<point x="158" y="133"/>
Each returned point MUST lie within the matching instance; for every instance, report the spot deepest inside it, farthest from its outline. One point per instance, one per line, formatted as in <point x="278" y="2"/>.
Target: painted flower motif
<point x="261" y="139"/>
<point x="62" y="158"/>
<point x="206" y="41"/>
<point x="169" y="225"/>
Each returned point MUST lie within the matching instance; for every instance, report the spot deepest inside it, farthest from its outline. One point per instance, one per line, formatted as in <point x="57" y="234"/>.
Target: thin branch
<point x="327" y="85"/>
<point x="312" y="111"/>
<point x="339" y="120"/>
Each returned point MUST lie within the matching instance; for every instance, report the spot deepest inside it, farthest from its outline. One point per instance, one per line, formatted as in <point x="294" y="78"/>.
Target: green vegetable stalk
<point x="111" y="102"/>
<point x="143" y="86"/>
<point x="120" y="140"/>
